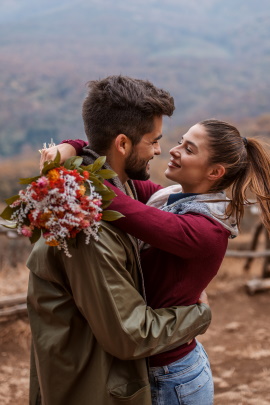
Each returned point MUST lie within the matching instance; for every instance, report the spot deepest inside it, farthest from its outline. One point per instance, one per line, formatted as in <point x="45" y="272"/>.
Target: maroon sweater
<point x="185" y="254"/>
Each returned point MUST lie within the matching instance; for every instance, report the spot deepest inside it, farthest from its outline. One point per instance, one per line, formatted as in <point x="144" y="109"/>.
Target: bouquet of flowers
<point x="62" y="201"/>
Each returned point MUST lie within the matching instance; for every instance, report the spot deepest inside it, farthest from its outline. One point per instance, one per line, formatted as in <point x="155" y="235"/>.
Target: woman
<point x="210" y="158"/>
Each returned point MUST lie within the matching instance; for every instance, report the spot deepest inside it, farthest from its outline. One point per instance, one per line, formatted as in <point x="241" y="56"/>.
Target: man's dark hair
<point x="122" y="105"/>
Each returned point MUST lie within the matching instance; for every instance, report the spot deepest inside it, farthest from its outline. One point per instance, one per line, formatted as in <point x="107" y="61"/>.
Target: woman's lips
<point x="173" y="164"/>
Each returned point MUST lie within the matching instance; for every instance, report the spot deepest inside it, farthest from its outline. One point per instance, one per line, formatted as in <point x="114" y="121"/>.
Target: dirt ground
<point x="237" y="341"/>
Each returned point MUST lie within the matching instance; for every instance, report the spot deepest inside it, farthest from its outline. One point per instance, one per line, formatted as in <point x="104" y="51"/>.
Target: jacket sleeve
<point x="106" y="295"/>
<point x="182" y="235"/>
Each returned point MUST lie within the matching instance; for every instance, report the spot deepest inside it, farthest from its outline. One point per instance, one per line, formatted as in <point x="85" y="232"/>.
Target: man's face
<point x="137" y="165"/>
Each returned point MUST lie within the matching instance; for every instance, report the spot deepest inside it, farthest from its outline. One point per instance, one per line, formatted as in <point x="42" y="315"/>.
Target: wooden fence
<point x="12" y="306"/>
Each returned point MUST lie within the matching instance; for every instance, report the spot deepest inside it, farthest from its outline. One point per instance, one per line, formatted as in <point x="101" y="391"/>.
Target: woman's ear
<point x="122" y="144"/>
<point x="217" y="171"/>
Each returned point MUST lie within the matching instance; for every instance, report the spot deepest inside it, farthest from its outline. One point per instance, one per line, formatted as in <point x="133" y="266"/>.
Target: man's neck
<point x="117" y="167"/>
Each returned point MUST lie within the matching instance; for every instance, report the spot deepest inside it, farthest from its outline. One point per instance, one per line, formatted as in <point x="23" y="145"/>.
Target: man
<point x="91" y="327"/>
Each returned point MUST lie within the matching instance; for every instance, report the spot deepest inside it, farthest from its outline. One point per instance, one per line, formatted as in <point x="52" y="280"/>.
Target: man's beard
<point x="135" y="167"/>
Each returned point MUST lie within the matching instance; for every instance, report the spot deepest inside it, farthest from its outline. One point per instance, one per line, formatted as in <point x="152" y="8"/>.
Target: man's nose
<point x="157" y="149"/>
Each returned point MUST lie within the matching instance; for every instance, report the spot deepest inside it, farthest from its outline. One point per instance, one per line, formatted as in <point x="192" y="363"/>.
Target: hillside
<point x="213" y="56"/>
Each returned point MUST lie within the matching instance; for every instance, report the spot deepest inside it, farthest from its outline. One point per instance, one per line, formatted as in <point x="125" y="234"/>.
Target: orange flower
<point x="53" y="175"/>
<point x="82" y="190"/>
<point x="44" y="217"/>
<point x="52" y="243"/>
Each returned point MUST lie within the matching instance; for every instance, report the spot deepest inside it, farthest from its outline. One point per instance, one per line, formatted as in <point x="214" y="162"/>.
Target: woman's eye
<point x="187" y="149"/>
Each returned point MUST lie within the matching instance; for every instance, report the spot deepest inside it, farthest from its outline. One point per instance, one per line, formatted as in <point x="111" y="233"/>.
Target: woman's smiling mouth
<point x="172" y="163"/>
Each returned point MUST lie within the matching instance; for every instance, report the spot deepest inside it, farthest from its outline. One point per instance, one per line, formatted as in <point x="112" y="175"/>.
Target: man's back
<point x="74" y="364"/>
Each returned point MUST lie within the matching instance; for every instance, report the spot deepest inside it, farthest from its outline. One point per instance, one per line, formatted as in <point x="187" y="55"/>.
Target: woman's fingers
<point x="66" y="151"/>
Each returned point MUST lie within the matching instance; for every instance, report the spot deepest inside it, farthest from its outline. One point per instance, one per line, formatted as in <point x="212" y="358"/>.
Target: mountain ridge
<point x="213" y="56"/>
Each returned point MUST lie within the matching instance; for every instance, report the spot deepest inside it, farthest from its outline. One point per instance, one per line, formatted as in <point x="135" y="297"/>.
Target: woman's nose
<point x="175" y="151"/>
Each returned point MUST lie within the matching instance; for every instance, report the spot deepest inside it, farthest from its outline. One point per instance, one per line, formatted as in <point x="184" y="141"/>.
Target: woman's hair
<point x="122" y="105"/>
<point x="247" y="167"/>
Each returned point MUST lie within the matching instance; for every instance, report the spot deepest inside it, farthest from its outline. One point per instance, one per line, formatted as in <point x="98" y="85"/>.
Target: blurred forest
<point x="213" y="56"/>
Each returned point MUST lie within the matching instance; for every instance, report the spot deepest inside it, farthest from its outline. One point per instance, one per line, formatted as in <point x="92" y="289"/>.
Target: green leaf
<point x="57" y="158"/>
<point x="87" y="188"/>
<point x="80" y="170"/>
<point x="8" y="211"/>
<point x="97" y="165"/>
<point x="73" y="163"/>
<point x="28" y="180"/>
<point x="11" y="200"/>
<point x="97" y="184"/>
<point x="51" y="164"/>
<point x="88" y="168"/>
<point x="48" y="166"/>
<point x="105" y="204"/>
<point x="109" y="215"/>
<point x="107" y="194"/>
<point x="106" y="173"/>
<point x="36" y="235"/>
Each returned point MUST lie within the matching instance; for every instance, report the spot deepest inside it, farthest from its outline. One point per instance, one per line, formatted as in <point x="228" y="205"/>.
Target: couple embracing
<point x="116" y="323"/>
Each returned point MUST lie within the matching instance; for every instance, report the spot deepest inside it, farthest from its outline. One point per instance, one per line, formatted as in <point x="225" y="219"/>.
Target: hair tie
<point x="245" y="141"/>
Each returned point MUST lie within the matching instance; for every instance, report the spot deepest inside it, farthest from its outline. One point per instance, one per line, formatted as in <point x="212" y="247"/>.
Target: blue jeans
<point x="187" y="381"/>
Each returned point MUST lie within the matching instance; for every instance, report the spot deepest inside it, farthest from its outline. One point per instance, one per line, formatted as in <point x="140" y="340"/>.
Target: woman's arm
<point x="78" y="144"/>
<point x="182" y="235"/>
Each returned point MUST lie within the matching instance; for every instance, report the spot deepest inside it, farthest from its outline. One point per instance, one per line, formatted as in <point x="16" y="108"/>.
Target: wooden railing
<point x="12" y="306"/>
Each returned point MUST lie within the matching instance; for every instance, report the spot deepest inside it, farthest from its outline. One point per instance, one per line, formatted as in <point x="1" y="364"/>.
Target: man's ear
<point x="217" y="171"/>
<point x="123" y="144"/>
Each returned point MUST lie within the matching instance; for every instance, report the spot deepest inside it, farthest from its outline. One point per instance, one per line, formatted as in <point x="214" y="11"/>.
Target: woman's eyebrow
<point x="190" y="143"/>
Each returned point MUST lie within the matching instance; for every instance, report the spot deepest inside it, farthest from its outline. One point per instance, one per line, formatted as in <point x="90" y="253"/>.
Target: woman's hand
<point x="203" y="298"/>
<point x="66" y="151"/>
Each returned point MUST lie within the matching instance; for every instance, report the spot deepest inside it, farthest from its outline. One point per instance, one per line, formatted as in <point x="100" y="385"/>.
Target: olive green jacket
<point x="91" y="327"/>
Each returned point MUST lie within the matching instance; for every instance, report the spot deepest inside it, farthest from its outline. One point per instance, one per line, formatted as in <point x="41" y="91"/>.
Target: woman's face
<point x="189" y="163"/>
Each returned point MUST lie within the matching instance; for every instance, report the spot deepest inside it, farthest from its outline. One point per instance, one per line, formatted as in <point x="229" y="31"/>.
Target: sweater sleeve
<point x="78" y="144"/>
<point x="145" y="189"/>
<point x="182" y="235"/>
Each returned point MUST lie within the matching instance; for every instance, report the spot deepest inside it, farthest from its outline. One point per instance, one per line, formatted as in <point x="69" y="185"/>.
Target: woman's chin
<point x="168" y="174"/>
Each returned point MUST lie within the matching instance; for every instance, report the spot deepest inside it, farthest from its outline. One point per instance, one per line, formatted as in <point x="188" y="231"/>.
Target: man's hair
<point x="122" y="105"/>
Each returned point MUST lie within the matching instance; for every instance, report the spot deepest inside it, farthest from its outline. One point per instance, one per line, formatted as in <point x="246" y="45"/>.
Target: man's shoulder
<point x="44" y="259"/>
<point x="109" y="238"/>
